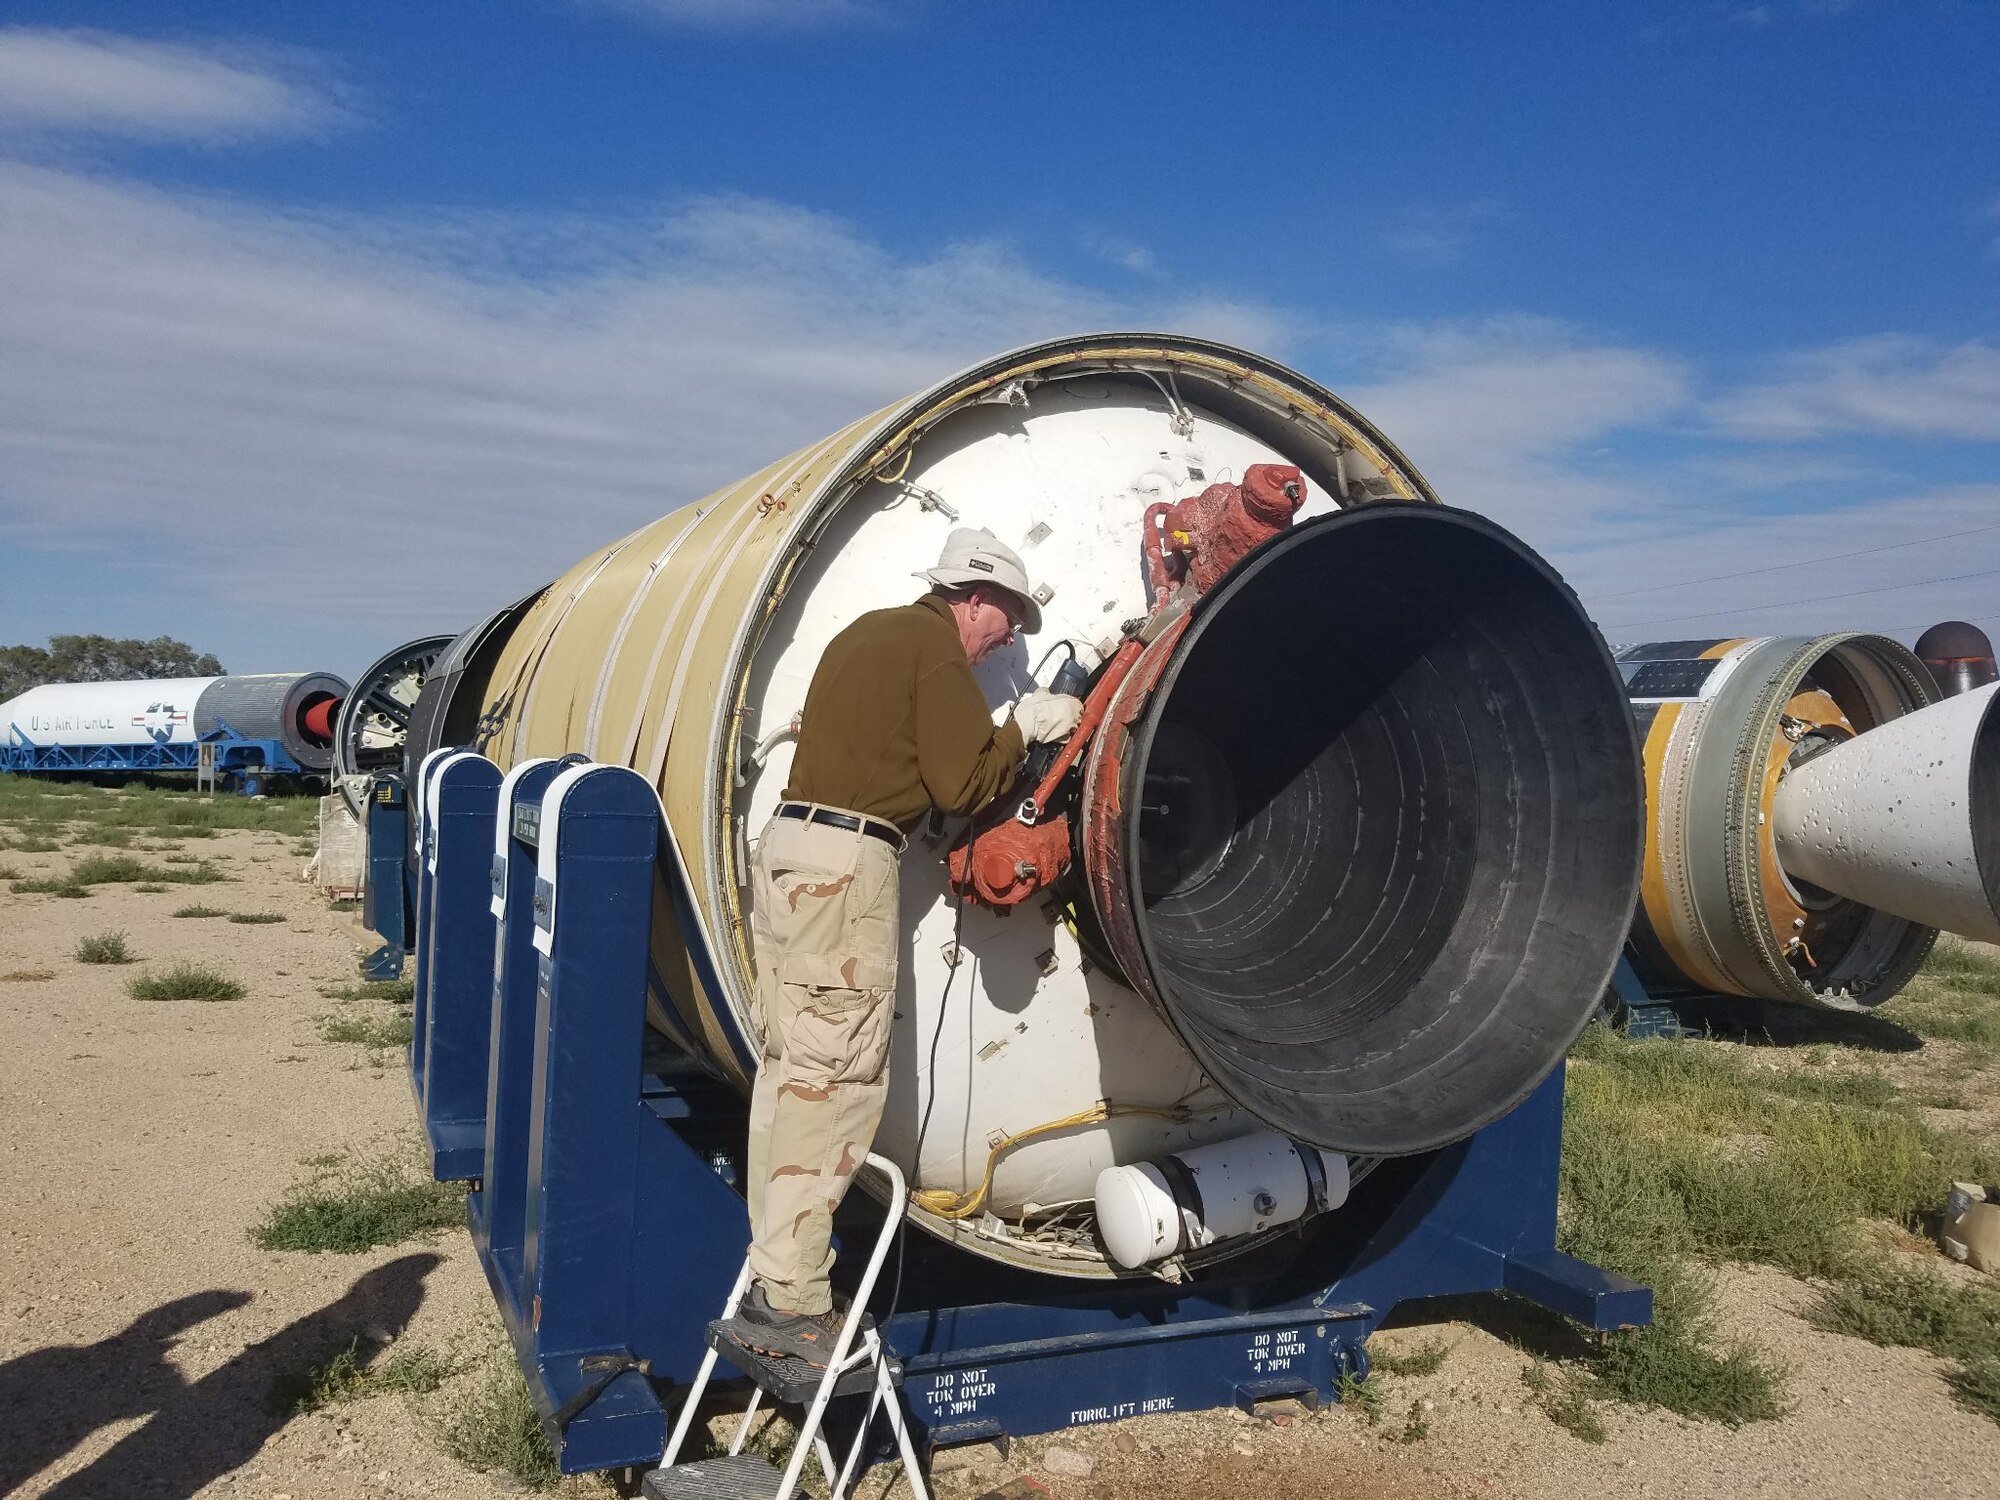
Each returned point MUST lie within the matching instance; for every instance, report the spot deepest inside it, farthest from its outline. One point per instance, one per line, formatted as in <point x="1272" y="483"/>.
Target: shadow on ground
<point x="53" y="1399"/>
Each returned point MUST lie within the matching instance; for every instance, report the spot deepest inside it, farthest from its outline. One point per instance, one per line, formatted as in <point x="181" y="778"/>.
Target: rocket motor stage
<point x="1354" y="849"/>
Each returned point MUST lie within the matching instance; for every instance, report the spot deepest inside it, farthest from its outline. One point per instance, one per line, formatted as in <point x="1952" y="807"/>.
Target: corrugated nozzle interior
<point x="1384" y="829"/>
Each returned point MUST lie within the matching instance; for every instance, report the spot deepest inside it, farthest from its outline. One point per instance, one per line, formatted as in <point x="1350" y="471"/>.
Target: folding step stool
<point x="856" y="1364"/>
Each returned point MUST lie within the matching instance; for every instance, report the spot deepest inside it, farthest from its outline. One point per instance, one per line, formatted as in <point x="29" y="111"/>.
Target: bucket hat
<point x="978" y="556"/>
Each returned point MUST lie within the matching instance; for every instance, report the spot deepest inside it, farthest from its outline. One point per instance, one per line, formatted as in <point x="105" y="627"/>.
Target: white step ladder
<point x="856" y="1364"/>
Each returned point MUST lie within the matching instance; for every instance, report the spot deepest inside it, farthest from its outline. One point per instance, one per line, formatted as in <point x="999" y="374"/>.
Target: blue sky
<point x="327" y="326"/>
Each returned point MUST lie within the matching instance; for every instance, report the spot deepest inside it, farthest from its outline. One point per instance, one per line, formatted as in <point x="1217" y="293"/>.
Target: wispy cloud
<point x="1440" y="235"/>
<point x="763" y="15"/>
<point x="62" y="82"/>
<point x="1126" y="255"/>
<point x="1889" y="384"/>
<point x="1484" y="395"/>
<point x="174" y="365"/>
<point x="1577" y="442"/>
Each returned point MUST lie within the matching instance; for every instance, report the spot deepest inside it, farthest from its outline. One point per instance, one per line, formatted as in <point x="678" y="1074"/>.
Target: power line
<point x="1887" y="588"/>
<point x="1803" y="562"/>
<point x="1926" y="624"/>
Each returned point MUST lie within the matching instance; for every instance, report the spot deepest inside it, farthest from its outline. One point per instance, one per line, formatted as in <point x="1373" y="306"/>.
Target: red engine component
<point x="318" y="718"/>
<point x="1198" y="540"/>
<point x="1202" y="537"/>
<point x="1007" y="863"/>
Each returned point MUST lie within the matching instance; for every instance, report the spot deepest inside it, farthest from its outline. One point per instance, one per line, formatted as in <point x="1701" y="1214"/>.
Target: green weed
<point x="149" y="888"/>
<point x="198" y="910"/>
<point x="256" y="918"/>
<point x="1976" y="1387"/>
<point x="158" y="805"/>
<point x="104" y="948"/>
<point x="1955" y="998"/>
<point x="386" y="1031"/>
<point x="1682" y="1145"/>
<point x="103" y="838"/>
<point x="1918" y="1309"/>
<point x="496" y="1427"/>
<point x="1416" y="1426"/>
<point x="1426" y="1359"/>
<point x="35" y="844"/>
<point x="184" y="981"/>
<point x="1360" y="1396"/>
<point x="1567" y="1398"/>
<point x="109" y="869"/>
<point x="399" y="991"/>
<point x="51" y="885"/>
<point x="353" y="1205"/>
<point x="349" y="1376"/>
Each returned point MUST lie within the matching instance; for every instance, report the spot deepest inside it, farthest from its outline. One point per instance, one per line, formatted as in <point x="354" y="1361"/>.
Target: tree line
<point x="100" y="658"/>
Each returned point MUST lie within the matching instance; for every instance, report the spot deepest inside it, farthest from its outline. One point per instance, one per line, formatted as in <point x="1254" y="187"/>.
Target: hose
<point x="949" y="1205"/>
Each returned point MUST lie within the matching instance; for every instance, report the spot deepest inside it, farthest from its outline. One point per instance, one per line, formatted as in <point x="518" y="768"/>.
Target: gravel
<point x="138" y="1143"/>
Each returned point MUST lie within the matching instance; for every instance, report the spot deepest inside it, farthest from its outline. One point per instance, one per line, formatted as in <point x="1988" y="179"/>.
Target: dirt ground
<point x="144" y="1339"/>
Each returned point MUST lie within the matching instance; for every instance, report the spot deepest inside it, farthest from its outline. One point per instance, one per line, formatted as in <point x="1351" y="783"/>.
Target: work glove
<point x="1045" y="716"/>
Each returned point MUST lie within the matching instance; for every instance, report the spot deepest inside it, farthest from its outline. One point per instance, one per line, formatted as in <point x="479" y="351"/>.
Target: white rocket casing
<point x="685" y="649"/>
<point x="1905" y="818"/>
<point x="156" y="711"/>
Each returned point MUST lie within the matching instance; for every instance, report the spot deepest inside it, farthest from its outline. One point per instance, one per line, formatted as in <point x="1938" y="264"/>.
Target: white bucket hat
<point x="974" y="556"/>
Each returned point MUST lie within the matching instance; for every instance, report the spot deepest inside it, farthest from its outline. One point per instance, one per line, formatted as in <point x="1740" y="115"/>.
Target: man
<point x="894" y="725"/>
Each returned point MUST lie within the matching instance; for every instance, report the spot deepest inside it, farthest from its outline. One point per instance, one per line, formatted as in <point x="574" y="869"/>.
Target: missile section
<point x="1906" y="818"/>
<point x="1355" y="870"/>
<point x="1723" y="723"/>
<point x="296" y="709"/>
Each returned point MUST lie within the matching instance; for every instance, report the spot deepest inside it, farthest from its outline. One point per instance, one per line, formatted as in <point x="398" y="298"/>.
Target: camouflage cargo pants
<point x="823" y="920"/>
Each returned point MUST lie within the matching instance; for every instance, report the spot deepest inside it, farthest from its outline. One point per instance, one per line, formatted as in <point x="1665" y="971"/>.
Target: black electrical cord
<point x="1062" y="645"/>
<point x="930" y="1081"/>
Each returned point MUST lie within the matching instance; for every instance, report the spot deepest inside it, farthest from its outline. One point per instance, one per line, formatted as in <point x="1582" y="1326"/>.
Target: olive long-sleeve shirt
<point x="894" y="723"/>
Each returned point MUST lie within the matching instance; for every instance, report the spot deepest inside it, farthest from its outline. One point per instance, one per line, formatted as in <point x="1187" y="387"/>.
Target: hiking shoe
<point x="764" y="1329"/>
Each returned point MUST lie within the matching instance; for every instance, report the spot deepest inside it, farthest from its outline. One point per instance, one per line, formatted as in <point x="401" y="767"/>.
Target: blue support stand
<point x="387" y="899"/>
<point x="610" y="1235"/>
<point x="245" y="762"/>
<point x="1642" y="1013"/>
<point x="451" y="1014"/>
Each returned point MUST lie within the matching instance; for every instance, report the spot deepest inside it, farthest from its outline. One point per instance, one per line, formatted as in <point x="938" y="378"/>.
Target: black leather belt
<point x="875" y="828"/>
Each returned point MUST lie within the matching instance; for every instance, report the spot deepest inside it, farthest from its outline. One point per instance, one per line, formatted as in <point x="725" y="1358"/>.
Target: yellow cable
<point x="882" y="475"/>
<point x="949" y="1205"/>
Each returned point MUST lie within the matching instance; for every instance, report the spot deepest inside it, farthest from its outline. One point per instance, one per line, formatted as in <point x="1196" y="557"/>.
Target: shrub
<point x="398" y="991"/>
<point x="51" y="886"/>
<point x="387" y="1031"/>
<point x="1426" y="1359"/>
<point x="104" y="948"/>
<point x="185" y="981"/>
<point x="349" y="1376"/>
<point x="497" y="1427"/>
<point x="1888" y="1304"/>
<point x="349" y="1205"/>
<point x="110" y="869"/>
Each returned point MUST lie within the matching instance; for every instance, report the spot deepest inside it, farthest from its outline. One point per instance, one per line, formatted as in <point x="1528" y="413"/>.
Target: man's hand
<point x="1045" y="716"/>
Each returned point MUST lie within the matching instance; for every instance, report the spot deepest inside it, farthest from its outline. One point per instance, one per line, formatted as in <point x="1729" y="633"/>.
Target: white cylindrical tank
<point x="1194" y="1199"/>
<point x="158" y="711"/>
<point x="294" y="708"/>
